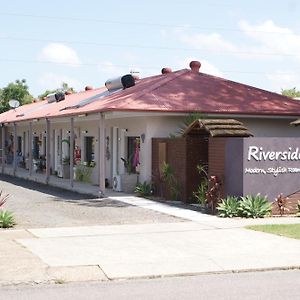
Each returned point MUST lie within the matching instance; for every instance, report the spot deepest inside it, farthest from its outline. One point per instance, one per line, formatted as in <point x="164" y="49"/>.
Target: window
<point x="19" y="144"/>
<point x="44" y="145"/>
<point x="89" y="149"/>
<point x="58" y="144"/>
<point x="36" y="147"/>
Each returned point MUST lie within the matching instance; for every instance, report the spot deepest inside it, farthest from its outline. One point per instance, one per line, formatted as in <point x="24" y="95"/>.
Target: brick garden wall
<point x="183" y="155"/>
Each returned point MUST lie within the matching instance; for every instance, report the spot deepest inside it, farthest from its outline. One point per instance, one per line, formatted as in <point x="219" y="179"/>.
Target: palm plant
<point x="188" y="120"/>
<point x="171" y="181"/>
<point x="202" y="188"/>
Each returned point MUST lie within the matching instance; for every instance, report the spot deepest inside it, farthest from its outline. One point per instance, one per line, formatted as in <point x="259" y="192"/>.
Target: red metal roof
<point x="180" y="91"/>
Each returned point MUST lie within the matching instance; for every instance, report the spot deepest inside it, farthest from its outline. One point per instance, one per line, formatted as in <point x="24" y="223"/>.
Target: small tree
<point x="15" y="90"/>
<point x="293" y="93"/>
<point x="64" y="88"/>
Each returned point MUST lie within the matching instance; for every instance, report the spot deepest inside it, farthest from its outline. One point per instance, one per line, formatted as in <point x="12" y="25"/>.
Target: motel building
<point x="109" y="138"/>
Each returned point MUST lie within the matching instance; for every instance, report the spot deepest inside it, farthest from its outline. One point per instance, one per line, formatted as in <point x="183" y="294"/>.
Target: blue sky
<point x="86" y="42"/>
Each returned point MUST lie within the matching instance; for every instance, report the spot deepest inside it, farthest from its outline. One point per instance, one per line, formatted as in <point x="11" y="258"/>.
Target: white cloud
<point x="264" y="40"/>
<point x="208" y="68"/>
<point x="109" y="70"/>
<point x="272" y="39"/>
<point x="284" y="80"/>
<point x="59" y="53"/>
<point x="49" y="81"/>
<point x="210" y="41"/>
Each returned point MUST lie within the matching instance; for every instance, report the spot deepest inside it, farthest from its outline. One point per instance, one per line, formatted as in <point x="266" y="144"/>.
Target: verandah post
<point x="101" y="155"/>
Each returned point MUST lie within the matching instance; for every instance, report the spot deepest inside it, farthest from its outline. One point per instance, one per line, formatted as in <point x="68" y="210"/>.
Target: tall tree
<point x="293" y="93"/>
<point x="17" y="90"/>
<point x="64" y="88"/>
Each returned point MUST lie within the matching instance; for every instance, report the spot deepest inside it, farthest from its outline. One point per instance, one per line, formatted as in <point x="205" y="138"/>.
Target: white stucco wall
<point x="126" y="126"/>
<point x="271" y="127"/>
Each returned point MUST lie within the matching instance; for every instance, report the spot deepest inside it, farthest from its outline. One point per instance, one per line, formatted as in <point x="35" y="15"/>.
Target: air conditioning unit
<point x="59" y="171"/>
<point x="117" y="183"/>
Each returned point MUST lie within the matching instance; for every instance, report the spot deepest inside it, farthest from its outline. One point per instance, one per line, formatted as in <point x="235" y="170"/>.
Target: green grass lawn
<point x="288" y="230"/>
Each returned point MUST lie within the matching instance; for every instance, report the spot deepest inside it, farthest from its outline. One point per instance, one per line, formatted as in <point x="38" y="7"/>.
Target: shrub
<point x="202" y="188"/>
<point x="255" y="206"/>
<point x="7" y="219"/>
<point x="143" y="189"/>
<point x="229" y="207"/>
<point x="83" y="173"/>
<point x="200" y="194"/>
<point x="298" y="206"/>
<point x="169" y="178"/>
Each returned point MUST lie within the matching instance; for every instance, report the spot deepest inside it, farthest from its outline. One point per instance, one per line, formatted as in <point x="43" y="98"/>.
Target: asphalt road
<point x="274" y="285"/>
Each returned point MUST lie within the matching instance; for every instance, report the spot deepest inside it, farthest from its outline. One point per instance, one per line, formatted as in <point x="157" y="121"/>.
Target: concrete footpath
<point x="202" y="244"/>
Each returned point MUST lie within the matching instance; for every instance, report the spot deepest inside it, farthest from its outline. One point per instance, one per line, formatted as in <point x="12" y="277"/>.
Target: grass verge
<point x="288" y="230"/>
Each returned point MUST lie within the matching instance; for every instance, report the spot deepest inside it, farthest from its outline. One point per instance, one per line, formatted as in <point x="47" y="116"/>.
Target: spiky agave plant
<point x="255" y="206"/>
<point x="7" y="219"/>
<point x="143" y="189"/>
<point x="229" y="207"/>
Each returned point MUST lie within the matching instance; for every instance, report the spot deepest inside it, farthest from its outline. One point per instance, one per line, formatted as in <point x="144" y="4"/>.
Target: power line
<point x="156" y="68"/>
<point x="113" y="45"/>
<point x="74" y="19"/>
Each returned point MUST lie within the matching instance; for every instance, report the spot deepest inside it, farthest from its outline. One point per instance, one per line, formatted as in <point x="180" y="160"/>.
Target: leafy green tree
<point x="64" y="88"/>
<point x="15" y="90"/>
<point x="293" y="93"/>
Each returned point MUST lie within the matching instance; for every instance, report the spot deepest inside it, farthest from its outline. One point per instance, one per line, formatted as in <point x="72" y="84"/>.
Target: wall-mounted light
<point x="82" y="115"/>
<point x="84" y="131"/>
<point x="143" y="137"/>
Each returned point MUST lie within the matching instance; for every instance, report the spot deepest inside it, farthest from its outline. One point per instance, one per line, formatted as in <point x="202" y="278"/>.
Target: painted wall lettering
<point x="259" y="154"/>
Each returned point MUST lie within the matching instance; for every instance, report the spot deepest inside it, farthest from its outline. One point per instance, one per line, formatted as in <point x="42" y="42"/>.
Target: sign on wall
<point x="268" y="166"/>
<point x="263" y="157"/>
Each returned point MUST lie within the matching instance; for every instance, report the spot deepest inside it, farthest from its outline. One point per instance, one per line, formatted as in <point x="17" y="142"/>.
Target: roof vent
<point x="195" y="65"/>
<point x="166" y="70"/>
<point x="57" y="97"/>
<point x="123" y="82"/>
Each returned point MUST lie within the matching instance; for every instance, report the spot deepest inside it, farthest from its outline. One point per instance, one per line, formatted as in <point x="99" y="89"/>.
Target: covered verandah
<point x="18" y="157"/>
